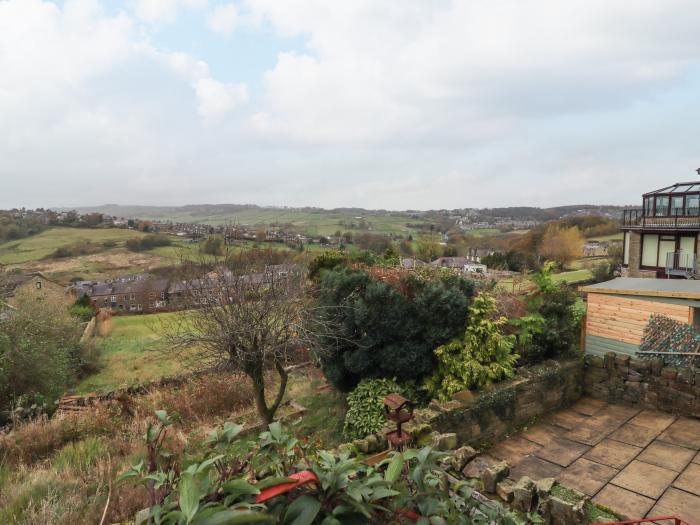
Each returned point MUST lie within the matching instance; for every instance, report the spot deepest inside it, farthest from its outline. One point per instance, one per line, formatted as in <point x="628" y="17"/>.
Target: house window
<point x="650" y="249"/>
<point x="133" y="297"/>
<point x="661" y="205"/>
<point x="687" y="244"/>
<point x="692" y="202"/>
<point x="648" y="206"/>
<point x="162" y="295"/>
<point x="38" y="285"/>
<point x="626" y="253"/>
<point x="113" y="299"/>
<point x="139" y="308"/>
<point x="677" y="205"/>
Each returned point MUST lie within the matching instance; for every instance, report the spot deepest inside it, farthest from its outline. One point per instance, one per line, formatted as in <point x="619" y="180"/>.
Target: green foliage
<point x="557" y="304"/>
<point x="326" y="261"/>
<point x="12" y="228"/>
<point x="213" y="245"/>
<point x="223" y="486"/>
<point x="83" y="313"/>
<point x="366" y="410"/>
<point x="378" y="329"/>
<point x="80" y="456"/>
<point x="148" y="242"/>
<point x="39" y="350"/>
<point x="481" y="356"/>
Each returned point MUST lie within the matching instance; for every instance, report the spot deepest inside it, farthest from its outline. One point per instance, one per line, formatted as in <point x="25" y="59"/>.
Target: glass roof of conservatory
<point x="678" y="187"/>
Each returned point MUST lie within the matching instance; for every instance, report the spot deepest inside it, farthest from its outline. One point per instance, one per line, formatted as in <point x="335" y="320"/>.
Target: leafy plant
<point x="365" y="413"/>
<point x="481" y="356"/>
<point x="557" y="304"/>
<point x="407" y="486"/>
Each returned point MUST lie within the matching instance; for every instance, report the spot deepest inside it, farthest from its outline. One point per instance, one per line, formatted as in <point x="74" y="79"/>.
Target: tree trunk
<point x="266" y="413"/>
<point x="259" y="392"/>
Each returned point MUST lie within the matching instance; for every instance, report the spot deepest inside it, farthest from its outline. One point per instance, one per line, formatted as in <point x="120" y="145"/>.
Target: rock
<point x="504" y="490"/>
<point x="462" y="456"/>
<point x="372" y="444"/>
<point x="524" y="495"/>
<point x="669" y="373"/>
<point x="465" y="397"/>
<point x="491" y="476"/>
<point x="566" y="513"/>
<point x="142" y="516"/>
<point x="445" y="442"/>
<point x="362" y="445"/>
<point x="544" y="487"/>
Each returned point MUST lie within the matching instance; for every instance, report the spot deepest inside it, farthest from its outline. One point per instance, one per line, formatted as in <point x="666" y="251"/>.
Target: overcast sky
<point x="382" y="104"/>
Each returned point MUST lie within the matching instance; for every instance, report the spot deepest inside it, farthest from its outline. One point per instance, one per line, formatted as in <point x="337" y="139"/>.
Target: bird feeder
<point x="399" y="410"/>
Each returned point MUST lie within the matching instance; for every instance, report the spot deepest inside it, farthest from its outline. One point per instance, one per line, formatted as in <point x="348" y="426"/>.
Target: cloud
<point x="164" y="10"/>
<point x="216" y="98"/>
<point x="224" y="18"/>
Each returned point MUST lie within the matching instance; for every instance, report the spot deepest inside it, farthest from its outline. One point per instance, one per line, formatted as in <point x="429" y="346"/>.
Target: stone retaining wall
<point x="489" y="416"/>
<point x="648" y="383"/>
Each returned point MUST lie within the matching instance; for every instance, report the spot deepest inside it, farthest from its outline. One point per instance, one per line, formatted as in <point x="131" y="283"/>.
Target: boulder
<point x="491" y="476"/>
<point x="524" y="495"/>
<point x="462" y="456"/>
<point x="445" y="442"/>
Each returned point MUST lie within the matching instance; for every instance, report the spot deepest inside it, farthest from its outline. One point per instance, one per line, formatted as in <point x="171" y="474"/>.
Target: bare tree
<point x="240" y="317"/>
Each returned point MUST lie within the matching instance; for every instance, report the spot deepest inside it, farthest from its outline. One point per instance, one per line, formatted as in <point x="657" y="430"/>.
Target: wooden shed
<point x="619" y="310"/>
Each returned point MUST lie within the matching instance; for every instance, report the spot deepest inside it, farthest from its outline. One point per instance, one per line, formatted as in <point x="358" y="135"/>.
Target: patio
<point x="637" y="462"/>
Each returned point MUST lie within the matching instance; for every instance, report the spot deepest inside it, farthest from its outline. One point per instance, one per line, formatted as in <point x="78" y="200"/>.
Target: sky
<point x="372" y="103"/>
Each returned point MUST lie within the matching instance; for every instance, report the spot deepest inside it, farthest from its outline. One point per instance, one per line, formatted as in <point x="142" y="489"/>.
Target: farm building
<point x="620" y="310"/>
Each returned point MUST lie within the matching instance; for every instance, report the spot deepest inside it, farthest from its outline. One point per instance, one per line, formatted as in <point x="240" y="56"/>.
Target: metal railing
<point x="664" y="520"/>
<point x="681" y="263"/>
<point x="676" y="218"/>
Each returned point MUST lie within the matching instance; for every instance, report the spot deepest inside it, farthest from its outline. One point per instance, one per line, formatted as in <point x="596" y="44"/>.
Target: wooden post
<point x="583" y="334"/>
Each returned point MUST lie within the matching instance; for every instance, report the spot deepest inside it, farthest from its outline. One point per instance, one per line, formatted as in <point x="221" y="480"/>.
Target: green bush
<point x="558" y="304"/>
<point x="84" y="313"/>
<point x="484" y="354"/>
<point x="374" y="328"/>
<point x="366" y="408"/>
<point x="148" y="242"/>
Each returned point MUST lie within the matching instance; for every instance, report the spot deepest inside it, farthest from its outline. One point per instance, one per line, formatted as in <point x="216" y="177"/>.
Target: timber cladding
<point x="624" y="318"/>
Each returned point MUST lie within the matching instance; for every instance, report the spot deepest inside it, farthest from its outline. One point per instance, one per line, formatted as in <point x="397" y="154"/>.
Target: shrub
<point x="481" y="356"/>
<point x="326" y="261"/>
<point x="84" y="313"/>
<point x="148" y="242"/>
<point x="213" y="245"/>
<point x="556" y="303"/>
<point x="373" y="328"/>
<point x="366" y="410"/>
<point x="80" y="456"/>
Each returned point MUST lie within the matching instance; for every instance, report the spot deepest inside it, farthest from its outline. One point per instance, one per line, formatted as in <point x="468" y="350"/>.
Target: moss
<point x="566" y="494"/>
<point x="599" y="514"/>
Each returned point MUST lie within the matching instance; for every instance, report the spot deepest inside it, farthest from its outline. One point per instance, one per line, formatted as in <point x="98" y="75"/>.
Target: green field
<point x="130" y="354"/>
<point x="574" y="276"/>
<point x="612" y="237"/>
<point x="314" y="222"/>
<point x="40" y="246"/>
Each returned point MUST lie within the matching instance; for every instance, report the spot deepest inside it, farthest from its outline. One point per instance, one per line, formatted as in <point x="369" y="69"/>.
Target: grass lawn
<point x="129" y="354"/>
<point x="39" y="246"/>
<point x="574" y="276"/>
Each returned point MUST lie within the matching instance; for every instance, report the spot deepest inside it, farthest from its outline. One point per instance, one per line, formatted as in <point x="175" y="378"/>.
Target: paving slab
<point x="676" y="502"/>
<point x="645" y="479"/>
<point x="589" y="434"/>
<point x="568" y="419"/>
<point x="562" y="451"/>
<point x="684" y="432"/>
<point x="696" y="459"/>
<point x="587" y="476"/>
<point x="535" y="468"/>
<point x="689" y="480"/>
<point x="666" y="455"/>
<point x="588" y="406"/>
<point x="613" y="453"/>
<point x="633" y="434"/>
<point x="476" y="466"/>
<point x="621" y="412"/>
<point x="514" y="449"/>
<point x="542" y="434"/>
<point x="653" y="419"/>
<point x="624" y="502"/>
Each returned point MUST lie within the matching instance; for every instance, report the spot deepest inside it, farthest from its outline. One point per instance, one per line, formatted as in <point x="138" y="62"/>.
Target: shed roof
<point x="678" y="288"/>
